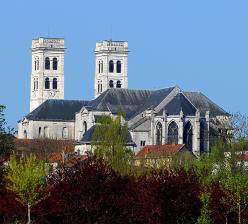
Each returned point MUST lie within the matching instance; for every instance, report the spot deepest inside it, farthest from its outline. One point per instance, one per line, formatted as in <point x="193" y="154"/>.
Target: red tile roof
<point x="56" y="157"/>
<point x="159" y="150"/>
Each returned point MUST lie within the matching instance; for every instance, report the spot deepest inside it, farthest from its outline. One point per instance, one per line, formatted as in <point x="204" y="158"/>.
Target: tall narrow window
<point x="25" y="134"/>
<point x="173" y="133"/>
<point x="47" y="63"/>
<point x="37" y="84"/>
<point x="39" y="131"/>
<point x="159" y="134"/>
<point x="111" y="66"/>
<point x="85" y="126"/>
<point x="55" y="63"/>
<point x="118" y="68"/>
<point x="65" y="133"/>
<point x="188" y="136"/>
<point x="99" y="66"/>
<point x="118" y="84"/>
<point x="55" y="83"/>
<point x="47" y="83"/>
<point x="37" y="64"/>
<point x="111" y="84"/>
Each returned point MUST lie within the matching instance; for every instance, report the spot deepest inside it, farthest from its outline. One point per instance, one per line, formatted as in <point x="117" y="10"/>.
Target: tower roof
<point x="111" y="46"/>
<point x="47" y="42"/>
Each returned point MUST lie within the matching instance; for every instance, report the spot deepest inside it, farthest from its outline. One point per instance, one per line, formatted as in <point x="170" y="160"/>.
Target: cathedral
<point x="153" y="117"/>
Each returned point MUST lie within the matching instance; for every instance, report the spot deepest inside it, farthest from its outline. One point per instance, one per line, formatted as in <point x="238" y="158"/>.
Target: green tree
<point x="6" y="134"/>
<point x="26" y="177"/>
<point x="110" y="140"/>
<point x="236" y="188"/>
<point x="226" y="164"/>
<point x="204" y="218"/>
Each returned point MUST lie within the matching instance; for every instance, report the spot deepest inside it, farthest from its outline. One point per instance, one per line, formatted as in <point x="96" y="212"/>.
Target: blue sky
<point x="199" y="45"/>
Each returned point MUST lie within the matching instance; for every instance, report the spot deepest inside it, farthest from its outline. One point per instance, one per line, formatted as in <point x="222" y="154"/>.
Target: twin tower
<point x="47" y="78"/>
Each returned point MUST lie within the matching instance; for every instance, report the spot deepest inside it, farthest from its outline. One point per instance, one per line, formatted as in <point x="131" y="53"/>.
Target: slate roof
<point x="178" y="103"/>
<point x="57" y="110"/>
<point x="155" y="98"/>
<point x="203" y="104"/>
<point x="120" y="100"/>
<point x="87" y="137"/>
<point x="130" y="102"/>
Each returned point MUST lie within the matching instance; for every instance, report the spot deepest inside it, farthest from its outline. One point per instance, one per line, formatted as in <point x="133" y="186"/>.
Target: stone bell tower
<point x="111" y="65"/>
<point x="47" y="77"/>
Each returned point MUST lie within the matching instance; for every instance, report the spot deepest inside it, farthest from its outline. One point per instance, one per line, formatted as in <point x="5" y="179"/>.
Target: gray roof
<point x="178" y="103"/>
<point x="155" y="98"/>
<point x="120" y="100"/>
<point x="129" y="102"/>
<point x="203" y="104"/>
<point x="57" y="110"/>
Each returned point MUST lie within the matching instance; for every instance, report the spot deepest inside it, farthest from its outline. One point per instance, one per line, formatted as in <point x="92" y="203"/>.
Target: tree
<point x="239" y="123"/>
<point x="177" y="194"/>
<point x="204" y="218"/>
<point x="26" y="177"/>
<point x="110" y="140"/>
<point x="226" y="164"/>
<point x="6" y="134"/>
<point x="92" y="192"/>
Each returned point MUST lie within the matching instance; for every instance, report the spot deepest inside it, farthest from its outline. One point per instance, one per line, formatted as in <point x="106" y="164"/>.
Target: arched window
<point x="173" y="133"/>
<point x="47" y="83"/>
<point x="118" y="84"/>
<point x="39" y="131"/>
<point x="55" y="83"/>
<point x="111" y="84"/>
<point x="111" y="66"/>
<point x="85" y="126"/>
<point x="188" y="136"/>
<point x="55" y="63"/>
<point x="37" y="64"/>
<point x="47" y="63"/>
<point x="118" y="68"/>
<point x="35" y="83"/>
<point x="25" y="134"/>
<point x="99" y="66"/>
<point x="65" y="133"/>
<point x="159" y="134"/>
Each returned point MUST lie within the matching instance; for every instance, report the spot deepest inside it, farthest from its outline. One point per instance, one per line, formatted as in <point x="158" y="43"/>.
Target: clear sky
<point x="199" y="45"/>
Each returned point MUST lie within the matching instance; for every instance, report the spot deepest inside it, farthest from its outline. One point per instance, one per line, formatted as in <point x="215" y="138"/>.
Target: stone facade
<point x="46" y="129"/>
<point x="111" y="65"/>
<point x="153" y="116"/>
<point x="47" y="76"/>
